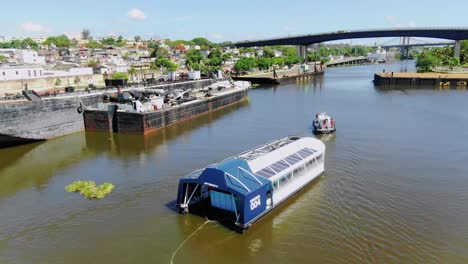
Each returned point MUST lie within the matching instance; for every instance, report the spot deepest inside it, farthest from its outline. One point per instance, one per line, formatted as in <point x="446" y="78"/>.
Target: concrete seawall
<point x="28" y="121"/>
<point x="280" y="80"/>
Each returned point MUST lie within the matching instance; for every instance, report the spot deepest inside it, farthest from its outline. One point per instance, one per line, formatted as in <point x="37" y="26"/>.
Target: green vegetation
<point x="27" y="43"/>
<point x="159" y="52"/>
<point x="90" y="190"/>
<point x="323" y="52"/>
<point x="3" y="59"/>
<point x="93" y="63"/>
<point x="94" y="45"/>
<point x="164" y="63"/>
<point x="245" y="64"/>
<point x="61" y="41"/>
<point x="430" y="58"/>
<point x="119" y="76"/>
<point x="132" y="71"/>
<point x="110" y="41"/>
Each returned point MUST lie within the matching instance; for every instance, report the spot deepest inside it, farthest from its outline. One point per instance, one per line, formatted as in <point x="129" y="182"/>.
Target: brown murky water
<point x="394" y="191"/>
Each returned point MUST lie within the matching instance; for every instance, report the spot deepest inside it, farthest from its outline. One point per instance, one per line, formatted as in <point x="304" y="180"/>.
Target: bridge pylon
<point x="457" y="49"/>
<point x="302" y="52"/>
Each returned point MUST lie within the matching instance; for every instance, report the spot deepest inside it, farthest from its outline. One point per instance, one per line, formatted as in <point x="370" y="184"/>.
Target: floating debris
<point x="90" y="190"/>
<point x="255" y="85"/>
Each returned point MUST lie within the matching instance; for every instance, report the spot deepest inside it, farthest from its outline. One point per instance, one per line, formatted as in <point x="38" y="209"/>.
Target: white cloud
<point x="217" y="36"/>
<point x="31" y="27"/>
<point x="136" y="14"/>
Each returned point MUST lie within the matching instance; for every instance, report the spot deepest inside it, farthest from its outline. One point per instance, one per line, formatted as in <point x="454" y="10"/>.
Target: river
<point x="394" y="190"/>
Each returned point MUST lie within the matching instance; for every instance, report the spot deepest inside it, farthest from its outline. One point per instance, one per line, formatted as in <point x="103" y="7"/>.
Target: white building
<point x="8" y="73"/>
<point x="29" y="57"/>
<point x="379" y="55"/>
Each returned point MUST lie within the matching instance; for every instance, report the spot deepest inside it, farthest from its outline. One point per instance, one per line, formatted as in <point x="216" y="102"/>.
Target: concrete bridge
<point x="418" y="45"/>
<point x="456" y="34"/>
<point x="347" y="61"/>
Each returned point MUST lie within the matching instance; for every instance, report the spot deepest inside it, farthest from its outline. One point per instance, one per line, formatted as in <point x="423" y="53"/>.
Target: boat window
<point x="283" y="180"/>
<point x="275" y="185"/>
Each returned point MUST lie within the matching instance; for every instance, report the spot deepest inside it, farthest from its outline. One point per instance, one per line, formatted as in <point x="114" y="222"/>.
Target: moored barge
<point x="161" y="109"/>
<point x="243" y="188"/>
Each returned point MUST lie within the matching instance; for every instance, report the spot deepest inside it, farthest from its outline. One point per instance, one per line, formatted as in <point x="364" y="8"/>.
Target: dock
<point x="411" y="79"/>
<point x="280" y="76"/>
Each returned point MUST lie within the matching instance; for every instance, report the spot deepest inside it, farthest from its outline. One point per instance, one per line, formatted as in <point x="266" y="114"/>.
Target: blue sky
<point x="221" y="20"/>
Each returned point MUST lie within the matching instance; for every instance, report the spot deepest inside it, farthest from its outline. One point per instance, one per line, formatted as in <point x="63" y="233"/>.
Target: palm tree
<point x="132" y="71"/>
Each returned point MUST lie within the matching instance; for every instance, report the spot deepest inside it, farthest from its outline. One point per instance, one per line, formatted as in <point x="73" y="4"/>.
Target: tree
<point x="94" y="63"/>
<point x="193" y="56"/>
<point x="292" y="59"/>
<point x="110" y="41"/>
<point x="245" y="64"/>
<point x="77" y="80"/>
<point x="268" y="52"/>
<point x="58" y="82"/>
<point x="264" y="63"/>
<point x="28" y="43"/>
<point x="3" y="59"/>
<point x="59" y="41"/>
<point x="85" y="34"/>
<point x="426" y="61"/>
<point x="137" y="38"/>
<point x="132" y="71"/>
<point x="226" y="56"/>
<point x="203" y="42"/>
<point x="159" y="52"/>
<point x="94" y="45"/>
<point x="164" y="63"/>
<point x="119" y="76"/>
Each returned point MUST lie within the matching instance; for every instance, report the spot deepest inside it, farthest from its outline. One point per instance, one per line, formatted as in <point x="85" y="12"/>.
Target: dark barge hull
<point x="7" y="141"/>
<point x="280" y="80"/>
<point x="143" y="123"/>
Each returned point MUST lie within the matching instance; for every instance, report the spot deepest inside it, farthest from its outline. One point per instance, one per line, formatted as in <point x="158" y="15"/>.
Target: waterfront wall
<point x="280" y="80"/>
<point x="49" y="83"/>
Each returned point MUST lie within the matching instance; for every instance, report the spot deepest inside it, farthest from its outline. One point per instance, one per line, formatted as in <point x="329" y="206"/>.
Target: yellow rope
<point x="183" y="242"/>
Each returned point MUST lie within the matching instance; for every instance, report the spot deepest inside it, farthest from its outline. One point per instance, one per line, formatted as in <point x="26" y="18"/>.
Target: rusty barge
<point x="149" y="113"/>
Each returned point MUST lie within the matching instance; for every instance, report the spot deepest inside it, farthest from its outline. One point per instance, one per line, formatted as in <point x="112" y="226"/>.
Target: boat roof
<point x="273" y="159"/>
<point x="233" y="175"/>
<point x="253" y="169"/>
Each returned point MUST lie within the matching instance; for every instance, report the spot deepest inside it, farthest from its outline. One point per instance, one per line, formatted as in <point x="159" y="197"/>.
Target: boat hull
<point x="7" y="141"/>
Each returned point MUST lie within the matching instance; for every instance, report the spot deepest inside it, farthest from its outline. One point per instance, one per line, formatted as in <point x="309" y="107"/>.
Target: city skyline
<point x="218" y="22"/>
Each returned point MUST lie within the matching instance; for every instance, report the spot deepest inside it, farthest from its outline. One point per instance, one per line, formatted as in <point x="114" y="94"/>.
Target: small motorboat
<point x="323" y="124"/>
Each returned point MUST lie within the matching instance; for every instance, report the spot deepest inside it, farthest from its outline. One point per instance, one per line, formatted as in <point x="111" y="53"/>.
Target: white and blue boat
<point x="243" y="188"/>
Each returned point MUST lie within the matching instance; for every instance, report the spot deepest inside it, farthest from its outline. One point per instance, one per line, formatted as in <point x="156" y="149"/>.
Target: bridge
<point x="418" y="45"/>
<point x="347" y="61"/>
<point x="456" y="34"/>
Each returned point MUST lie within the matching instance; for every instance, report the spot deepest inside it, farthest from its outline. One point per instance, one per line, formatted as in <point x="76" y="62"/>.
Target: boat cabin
<point x="245" y="187"/>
